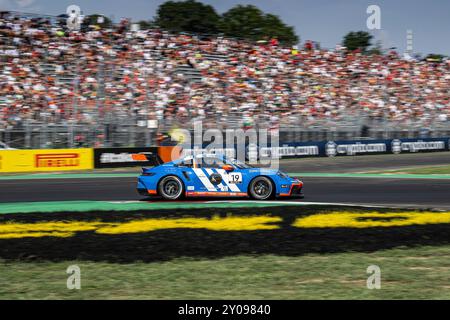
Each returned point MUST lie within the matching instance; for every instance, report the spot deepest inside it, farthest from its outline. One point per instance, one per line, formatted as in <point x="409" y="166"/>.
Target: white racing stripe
<point x="220" y="185"/>
<point x="204" y="179"/>
<point x="232" y="186"/>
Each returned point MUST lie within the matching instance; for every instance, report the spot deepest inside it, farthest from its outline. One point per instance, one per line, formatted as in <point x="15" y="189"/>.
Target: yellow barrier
<point x="46" y="160"/>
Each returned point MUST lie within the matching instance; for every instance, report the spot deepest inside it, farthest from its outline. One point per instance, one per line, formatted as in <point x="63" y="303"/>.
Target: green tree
<point x="433" y="57"/>
<point x="251" y="23"/>
<point x="357" y="40"/>
<point x="96" y="20"/>
<point x="146" y="24"/>
<point x="188" y="16"/>
<point x="273" y="27"/>
<point x="377" y="49"/>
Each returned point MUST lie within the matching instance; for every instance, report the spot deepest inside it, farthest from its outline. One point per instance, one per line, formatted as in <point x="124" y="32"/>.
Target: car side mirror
<point x="228" y="167"/>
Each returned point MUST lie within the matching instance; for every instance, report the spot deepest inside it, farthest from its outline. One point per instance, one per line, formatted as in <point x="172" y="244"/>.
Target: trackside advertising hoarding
<point x="334" y="148"/>
<point x="355" y="147"/>
<point x="46" y="160"/>
<point x="84" y="159"/>
<point x="120" y="157"/>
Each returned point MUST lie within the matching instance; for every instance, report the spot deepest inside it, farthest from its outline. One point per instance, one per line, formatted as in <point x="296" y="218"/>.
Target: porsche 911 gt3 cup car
<point x="209" y="175"/>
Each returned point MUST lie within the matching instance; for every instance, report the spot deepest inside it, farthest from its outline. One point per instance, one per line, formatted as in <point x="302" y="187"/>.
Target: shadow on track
<point x="158" y="199"/>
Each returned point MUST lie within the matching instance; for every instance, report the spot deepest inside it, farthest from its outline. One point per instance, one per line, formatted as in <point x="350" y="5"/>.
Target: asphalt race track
<point x="429" y="193"/>
<point x="366" y="163"/>
<point x="404" y="192"/>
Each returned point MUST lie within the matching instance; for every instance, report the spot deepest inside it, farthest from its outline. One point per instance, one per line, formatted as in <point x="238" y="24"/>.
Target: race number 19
<point x="235" y="178"/>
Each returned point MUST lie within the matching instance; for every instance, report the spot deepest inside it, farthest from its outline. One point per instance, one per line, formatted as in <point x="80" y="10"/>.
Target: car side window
<point x="186" y="163"/>
<point x="210" y="162"/>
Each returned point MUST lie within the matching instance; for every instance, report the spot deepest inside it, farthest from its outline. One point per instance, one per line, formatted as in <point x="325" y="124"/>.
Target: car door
<point x="195" y="179"/>
<point x="224" y="181"/>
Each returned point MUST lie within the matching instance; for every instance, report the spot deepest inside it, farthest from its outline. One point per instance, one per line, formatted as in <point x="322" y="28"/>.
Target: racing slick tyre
<point x="171" y="188"/>
<point x="261" y="188"/>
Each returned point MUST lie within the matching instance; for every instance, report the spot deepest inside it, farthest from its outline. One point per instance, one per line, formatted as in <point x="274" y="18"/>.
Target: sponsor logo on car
<point x="215" y="178"/>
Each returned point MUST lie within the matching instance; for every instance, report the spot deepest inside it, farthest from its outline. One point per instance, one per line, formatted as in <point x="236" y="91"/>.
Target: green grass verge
<point x="413" y="273"/>
<point x="87" y="205"/>
<point x="424" y="170"/>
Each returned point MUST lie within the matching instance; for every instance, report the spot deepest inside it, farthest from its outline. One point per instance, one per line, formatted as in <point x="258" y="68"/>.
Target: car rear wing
<point x="149" y="157"/>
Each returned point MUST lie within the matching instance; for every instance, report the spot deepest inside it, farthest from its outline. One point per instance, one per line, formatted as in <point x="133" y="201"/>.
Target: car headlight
<point x="282" y="175"/>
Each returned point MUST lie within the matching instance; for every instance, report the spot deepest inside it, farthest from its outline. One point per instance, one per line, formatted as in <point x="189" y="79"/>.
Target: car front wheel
<point x="261" y="188"/>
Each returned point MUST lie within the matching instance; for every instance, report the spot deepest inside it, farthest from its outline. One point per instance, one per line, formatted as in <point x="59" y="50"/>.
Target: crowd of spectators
<point x="51" y="75"/>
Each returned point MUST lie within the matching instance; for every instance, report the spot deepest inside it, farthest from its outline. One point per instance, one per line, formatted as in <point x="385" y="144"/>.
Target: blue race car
<point x="212" y="175"/>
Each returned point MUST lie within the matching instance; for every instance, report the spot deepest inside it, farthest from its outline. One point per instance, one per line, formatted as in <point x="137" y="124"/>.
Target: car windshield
<point x="239" y="164"/>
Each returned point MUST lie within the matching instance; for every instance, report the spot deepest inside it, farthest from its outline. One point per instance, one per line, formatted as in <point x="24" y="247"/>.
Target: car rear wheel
<point x="170" y="188"/>
<point x="261" y="188"/>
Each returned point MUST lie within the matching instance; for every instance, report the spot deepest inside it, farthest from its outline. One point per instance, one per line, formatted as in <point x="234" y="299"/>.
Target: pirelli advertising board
<point x="46" y="160"/>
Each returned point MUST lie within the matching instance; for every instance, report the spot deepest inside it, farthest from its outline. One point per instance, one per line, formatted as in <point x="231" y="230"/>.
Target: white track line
<point x="292" y="203"/>
<point x="303" y="203"/>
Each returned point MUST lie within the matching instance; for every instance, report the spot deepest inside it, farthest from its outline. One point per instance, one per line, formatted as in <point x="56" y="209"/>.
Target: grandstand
<point x="99" y="87"/>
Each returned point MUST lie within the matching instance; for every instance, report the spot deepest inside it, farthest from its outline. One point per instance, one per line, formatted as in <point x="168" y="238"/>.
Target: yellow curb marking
<point x="338" y="219"/>
<point x="371" y="219"/>
<point x="69" y="228"/>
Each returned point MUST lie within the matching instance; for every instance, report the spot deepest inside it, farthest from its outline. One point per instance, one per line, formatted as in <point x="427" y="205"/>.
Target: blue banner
<point x="331" y="148"/>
